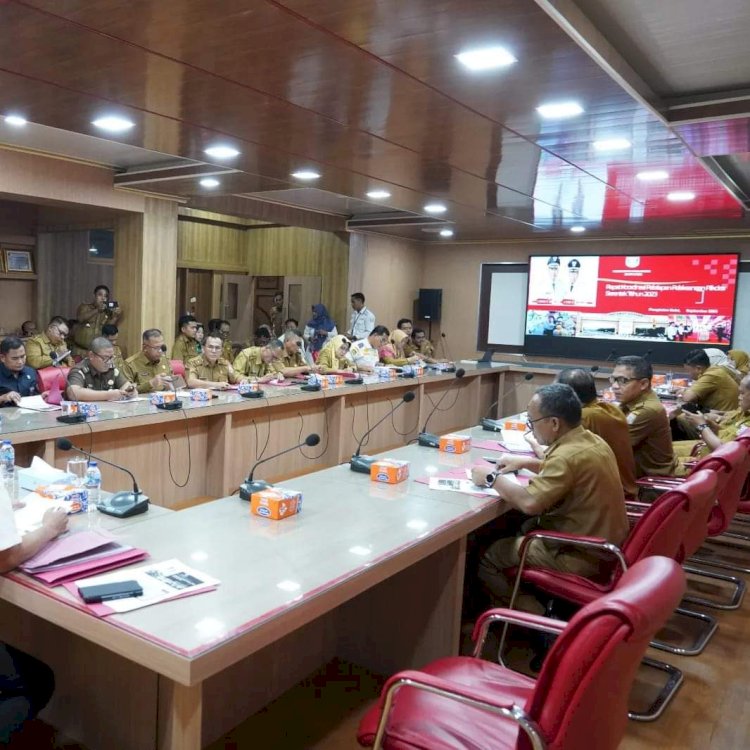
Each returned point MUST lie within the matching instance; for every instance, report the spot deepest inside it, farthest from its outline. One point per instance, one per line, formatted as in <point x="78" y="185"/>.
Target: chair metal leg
<point x="729" y="534"/>
<point x="668" y="691"/>
<point x="734" y="601"/>
<point x="711" y="554"/>
<point x="701" y="640"/>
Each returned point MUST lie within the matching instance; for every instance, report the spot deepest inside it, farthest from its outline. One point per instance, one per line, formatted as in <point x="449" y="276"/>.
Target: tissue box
<point x="163" y="397"/>
<point x="75" y="498"/>
<point x="248" y="387"/>
<point x="385" y="373"/>
<point x="276" y="503"/>
<point x="326" y="381"/>
<point x="29" y="479"/>
<point x="658" y="379"/>
<point x="515" y="424"/>
<point x="453" y="443"/>
<point x="389" y="471"/>
<point x="88" y="408"/>
<point x="680" y="382"/>
<point x="200" y="394"/>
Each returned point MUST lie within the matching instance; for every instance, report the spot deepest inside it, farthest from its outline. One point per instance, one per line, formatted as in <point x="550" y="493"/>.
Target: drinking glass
<point x="77" y="467"/>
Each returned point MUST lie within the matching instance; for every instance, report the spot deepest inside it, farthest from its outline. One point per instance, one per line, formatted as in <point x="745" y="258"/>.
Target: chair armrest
<point x="512" y="617"/>
<point x="591" y="542"/>
<point x="453" y="691"/>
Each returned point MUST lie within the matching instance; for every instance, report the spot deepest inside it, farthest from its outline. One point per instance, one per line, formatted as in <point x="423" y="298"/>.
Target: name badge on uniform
<point x="631" y="417"/>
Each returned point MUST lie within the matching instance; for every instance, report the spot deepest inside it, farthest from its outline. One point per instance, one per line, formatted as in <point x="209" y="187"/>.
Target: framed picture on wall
<point x="18" y="261"/>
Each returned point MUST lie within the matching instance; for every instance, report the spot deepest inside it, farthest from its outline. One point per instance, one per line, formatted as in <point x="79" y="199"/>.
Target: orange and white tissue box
<point x="514" y="424"/>
<point x="275" y="503"/>
<point x="200" y="394"/>
<point x="389" y="471"/>
<point x="453" y="443"/>
<point x="75" y="498"/>
<point x="658" y="379"/>
<point x="680" y="382"/>
<point x="160" y="398"/>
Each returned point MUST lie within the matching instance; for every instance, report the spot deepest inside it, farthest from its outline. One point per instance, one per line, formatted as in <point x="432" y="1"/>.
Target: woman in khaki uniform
<point x="393" y="352"/>
<point x="332" y="356"/>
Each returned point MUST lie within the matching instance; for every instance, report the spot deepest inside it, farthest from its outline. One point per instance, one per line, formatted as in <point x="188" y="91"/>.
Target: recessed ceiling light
<point x="113" y="124"/>
<point x="446" y="233"/>
<point x="680" y="196"/>
<point x="578" y="229"/>
<point x="435" y="208"/>
<point x="93" y="251"/>
<point x="306" y="175"/>
<point x="653" y="175"/>
<point x="210" y="182"/>
<point x="15" y="120"/>
<point x="378" y="194"/>
<point x="559" y="110"/>
<point x="221" y="151"/>
<point x="486" y="58"/>
<point x="612" y="144"/>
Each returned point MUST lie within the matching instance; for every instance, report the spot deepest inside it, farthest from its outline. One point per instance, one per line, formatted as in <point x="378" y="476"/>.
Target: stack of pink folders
<point x="79" y="555"/>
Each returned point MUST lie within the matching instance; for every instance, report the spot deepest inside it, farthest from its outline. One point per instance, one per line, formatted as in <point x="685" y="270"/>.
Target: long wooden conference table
<point x="369" y="572"/>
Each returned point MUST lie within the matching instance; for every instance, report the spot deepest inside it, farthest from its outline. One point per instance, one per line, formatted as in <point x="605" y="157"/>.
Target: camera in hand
<point x="112" y="304"/>
<point x="691" y="407"/>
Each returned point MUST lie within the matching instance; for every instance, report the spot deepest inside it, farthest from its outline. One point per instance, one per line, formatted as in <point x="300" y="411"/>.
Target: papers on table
<point x="37" y="403"/>
<point x="513" y="441"/>
<point x="29" y="516"/>
<point x="456" y="484"/>
<point x="160" y="582"/>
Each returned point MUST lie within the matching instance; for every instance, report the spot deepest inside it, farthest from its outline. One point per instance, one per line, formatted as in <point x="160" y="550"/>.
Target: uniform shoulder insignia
<point x="631" y="417"/>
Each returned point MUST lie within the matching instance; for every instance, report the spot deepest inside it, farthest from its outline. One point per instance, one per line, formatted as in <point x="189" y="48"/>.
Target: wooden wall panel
<point x="211" y="246"/>
<point x="294" y="251"/>
<point x="67" y="275"/>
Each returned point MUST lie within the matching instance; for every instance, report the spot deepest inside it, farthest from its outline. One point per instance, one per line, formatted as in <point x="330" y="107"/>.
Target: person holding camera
<point x="93" y="316"/>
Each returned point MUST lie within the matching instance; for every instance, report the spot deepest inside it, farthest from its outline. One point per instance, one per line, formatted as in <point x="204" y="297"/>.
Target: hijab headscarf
<point x="740" y="359"/>
<point x="320" y="321"/>
<point x="717" y="358"/>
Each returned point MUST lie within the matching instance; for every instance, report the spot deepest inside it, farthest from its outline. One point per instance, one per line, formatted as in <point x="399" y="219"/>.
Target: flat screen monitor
<point x="602" y="307"/>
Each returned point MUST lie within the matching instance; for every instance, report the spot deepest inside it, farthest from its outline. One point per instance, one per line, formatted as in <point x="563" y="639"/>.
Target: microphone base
<point x="170" y="406"/>
<point x="449" y="369"/>
<point x="361" y="464"/>
<point x="124" y="504"/>
<point x="491" y="425"/>
<point x="311" y="388"/>
<point x="72" y="418"/>
<point x="253" y="394"/>
<point x="428" y="440"/>
<point x="247" y="488"/>
<point x="353" y="381"/>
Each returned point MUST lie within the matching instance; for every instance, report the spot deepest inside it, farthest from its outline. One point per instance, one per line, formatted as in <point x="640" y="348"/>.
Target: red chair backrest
<point x="48" y="375"/>
<point x="581" y="695"/>
<point x="178" y="367"/>
<point x="731" y="462"/>
<point x="744" y="506"/>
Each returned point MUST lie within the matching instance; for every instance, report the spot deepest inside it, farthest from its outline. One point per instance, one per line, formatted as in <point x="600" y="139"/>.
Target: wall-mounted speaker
<point x="429" y="304"/>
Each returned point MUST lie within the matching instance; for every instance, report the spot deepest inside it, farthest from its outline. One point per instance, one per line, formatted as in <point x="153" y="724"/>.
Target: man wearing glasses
<point x="648" y="424"/>
<point x="576" y="490"/>
<point x="150" y="369"/>
<point x="96" y="378"/>
<point x="49" y="349"/>
<point x="364" y="353"/>
<point x="210" y="369"/>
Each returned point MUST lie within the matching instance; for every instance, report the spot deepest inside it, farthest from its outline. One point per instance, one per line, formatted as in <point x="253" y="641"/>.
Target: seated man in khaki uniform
<point x="150" y="369"/>
<point x="49" y="348"/>
<point x="210" y="369"/>
<point x="713" y="388"/>
<point x="261" y="363"/>
<point x="112" y="333"/>
<point x="577" y="490"/>
<point x="715" y="430"/>
<point x="647" y="420"/>
<point x="96" y="378"/>
<point x="223" y="329"/>
<point x="292" y="361"/>
<point x="185" y="346"/>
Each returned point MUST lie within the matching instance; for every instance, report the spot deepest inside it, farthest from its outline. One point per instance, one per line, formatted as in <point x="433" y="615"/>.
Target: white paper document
<point x="160" y="582"/>
<point x="455" y="484"/>
<point x="37" y="403"/>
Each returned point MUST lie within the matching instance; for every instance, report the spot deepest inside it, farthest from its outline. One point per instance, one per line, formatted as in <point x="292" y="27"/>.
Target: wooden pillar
<point x="146" y="270"/>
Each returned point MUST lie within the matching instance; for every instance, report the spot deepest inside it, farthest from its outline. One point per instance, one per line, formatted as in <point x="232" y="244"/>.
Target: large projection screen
<point x="502" y="306"/>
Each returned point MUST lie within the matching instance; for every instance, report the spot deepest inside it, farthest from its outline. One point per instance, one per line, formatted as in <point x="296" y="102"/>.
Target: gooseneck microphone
<point x="446" y="353"/>
<point x="251" y="485"/>
<point x="428" y="439"/>
<point x="496" y="425"/>
<point x="121" y="504"/>
<point x="362" y="464"/>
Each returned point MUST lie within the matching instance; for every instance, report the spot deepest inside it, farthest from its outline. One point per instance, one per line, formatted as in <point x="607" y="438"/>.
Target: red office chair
<point x="178" y="367"/>
<point x="48" y="375"/>
<point x="579" y="699"/>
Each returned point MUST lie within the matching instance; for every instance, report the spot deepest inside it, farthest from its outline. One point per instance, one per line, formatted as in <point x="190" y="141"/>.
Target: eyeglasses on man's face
<point x="530" y="422"/>
<point x="621" y="380"/>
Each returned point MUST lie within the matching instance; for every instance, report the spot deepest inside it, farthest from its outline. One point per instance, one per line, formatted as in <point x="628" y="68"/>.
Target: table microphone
<point x="594" y="368"/>
<point x="251" y="485"/>
<point x="121" y="504"/>
<point x="428" y="439"/>
<point x="496" y="425"/>
<point x="362" y="464"/>
<point x="170" y="405"/>
<point x="76" y="418"/>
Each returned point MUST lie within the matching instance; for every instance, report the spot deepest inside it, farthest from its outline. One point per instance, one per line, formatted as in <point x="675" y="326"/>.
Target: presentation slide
<point x="686" y="299"/>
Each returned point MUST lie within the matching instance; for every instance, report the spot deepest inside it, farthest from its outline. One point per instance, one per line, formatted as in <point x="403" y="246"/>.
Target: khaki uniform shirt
<point x="426" y="349"/>
<point x="650" y="436"/>
<point x="716" y="389"/>
<point x="39" y="352"/>
<point x="732" y="424"/>
<point x="140" y="370"/>
<point x="291" y="360"/>
<point x="184" y="348"/>
<point x="119" y="359"/>
<point x="201" y="369"/>
<point x="250" y="364"/>
<point x="85" y="376"/>
<point x="85" y="333"/>
<point x="328" y="360"/>
<point x="608" y="422"/>
<point x="226" y="351"/>
<point x="579" y="486"/>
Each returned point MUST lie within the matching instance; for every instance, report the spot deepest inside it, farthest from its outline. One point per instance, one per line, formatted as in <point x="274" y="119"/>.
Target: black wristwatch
<point x="490" y="478"/>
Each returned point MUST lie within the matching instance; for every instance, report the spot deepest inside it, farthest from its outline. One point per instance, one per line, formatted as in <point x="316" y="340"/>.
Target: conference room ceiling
<point x="371" y="96"/>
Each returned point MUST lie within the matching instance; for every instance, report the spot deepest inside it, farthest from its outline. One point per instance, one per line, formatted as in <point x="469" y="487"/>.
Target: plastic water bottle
<point x="8" y="467"/>
<point x="93" y="485"/>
